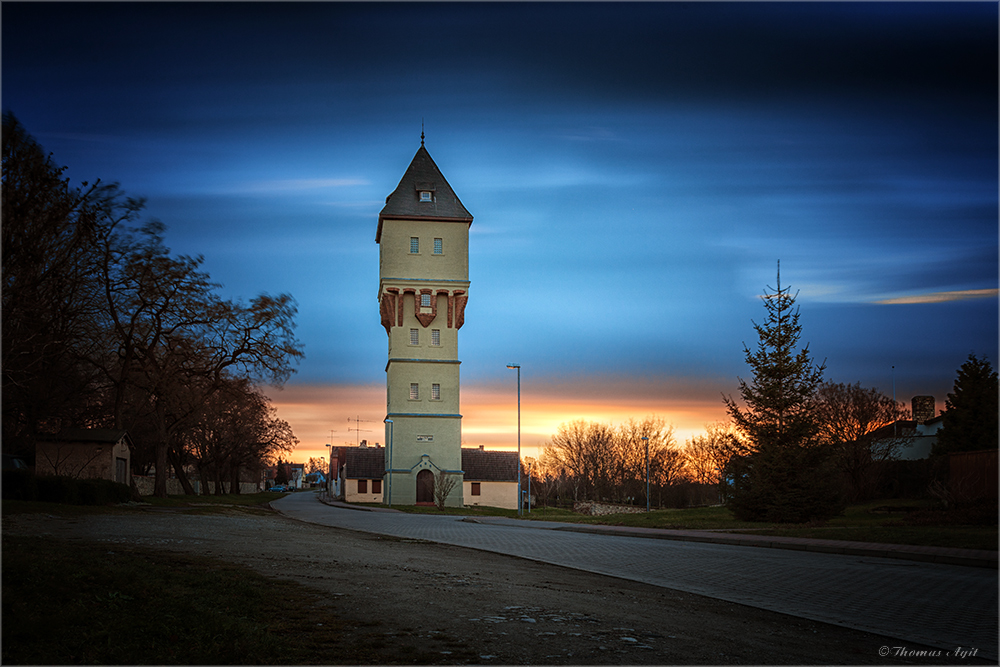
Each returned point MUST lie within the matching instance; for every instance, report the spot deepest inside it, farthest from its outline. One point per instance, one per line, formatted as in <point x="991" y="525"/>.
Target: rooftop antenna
<point x="358" y="428"/>
<point x="421" y="131"/>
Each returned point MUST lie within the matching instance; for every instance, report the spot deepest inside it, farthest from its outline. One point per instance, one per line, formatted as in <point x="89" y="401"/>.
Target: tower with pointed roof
<point x="423" y="237"/>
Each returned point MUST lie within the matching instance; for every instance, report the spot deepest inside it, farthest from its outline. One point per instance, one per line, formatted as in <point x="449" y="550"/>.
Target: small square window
<point x="414" y="336"/>
<point x="362" y="486"/>
<point x="414" y="245"/>
<point x="476" y="489"/>
<point x="376" y="486"/>
<point x="438" y="246"/>
<point x="414" y="391"/>
<point x="435" y="336"/>
<point x="435" y="392"/>
<point x="425" y="300"/>
<point x="425" y="195"/>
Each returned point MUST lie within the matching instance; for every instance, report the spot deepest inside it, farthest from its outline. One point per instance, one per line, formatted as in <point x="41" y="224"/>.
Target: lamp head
<point x="388" y="421"/>
<point x="513" y="366"/>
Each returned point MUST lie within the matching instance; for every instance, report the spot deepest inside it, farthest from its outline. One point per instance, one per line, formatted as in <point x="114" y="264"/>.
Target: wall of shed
<point x="352" y="495"/>
<point x="492" y="494"/>
<point x="80" y="460"/>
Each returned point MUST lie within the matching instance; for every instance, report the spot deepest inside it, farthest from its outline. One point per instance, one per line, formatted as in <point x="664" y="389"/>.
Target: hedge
<point x="22" y="485"/>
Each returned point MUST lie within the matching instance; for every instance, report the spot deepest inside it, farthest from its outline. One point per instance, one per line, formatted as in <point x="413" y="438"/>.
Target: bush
<point x="22" y="485"/>
<point x="19" y="485"/>
<point x="785" y="485"/>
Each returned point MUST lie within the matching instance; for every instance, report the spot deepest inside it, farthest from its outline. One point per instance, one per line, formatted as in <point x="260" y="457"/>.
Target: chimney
<point x="482" y="448"/>
<point x="378" y="446"/>
<point x="923" y="408"/>
<point x="364" y="443"/>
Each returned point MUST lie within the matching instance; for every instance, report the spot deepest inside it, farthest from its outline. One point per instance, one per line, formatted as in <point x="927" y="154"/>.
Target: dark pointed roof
<point x="404" y="202"/>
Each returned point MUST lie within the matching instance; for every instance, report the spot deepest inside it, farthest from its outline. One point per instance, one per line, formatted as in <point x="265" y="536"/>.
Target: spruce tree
<point x="969" y="422"/>
<point x="788" y="477"/>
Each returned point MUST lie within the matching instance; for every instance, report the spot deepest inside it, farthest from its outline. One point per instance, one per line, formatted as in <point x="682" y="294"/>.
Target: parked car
<point x="277" y="488"/>
<point x="13" y="463"/>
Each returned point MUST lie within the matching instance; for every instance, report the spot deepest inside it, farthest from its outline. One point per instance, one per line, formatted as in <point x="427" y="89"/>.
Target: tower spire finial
<point x="421" y="131"/>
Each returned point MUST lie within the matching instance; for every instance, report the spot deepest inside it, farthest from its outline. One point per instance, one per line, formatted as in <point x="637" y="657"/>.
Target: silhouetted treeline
<point x="104" y="328"/>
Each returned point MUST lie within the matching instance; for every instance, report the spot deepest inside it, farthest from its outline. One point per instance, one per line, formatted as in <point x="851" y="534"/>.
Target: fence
<point x="145" y="484"/>
<point x="973" y="475"/>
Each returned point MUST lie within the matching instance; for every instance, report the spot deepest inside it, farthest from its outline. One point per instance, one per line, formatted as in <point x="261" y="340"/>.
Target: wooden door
<point x="425" y="486"/>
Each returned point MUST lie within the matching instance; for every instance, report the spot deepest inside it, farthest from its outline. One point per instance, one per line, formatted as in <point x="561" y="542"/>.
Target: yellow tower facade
<point x="423" y="237"/>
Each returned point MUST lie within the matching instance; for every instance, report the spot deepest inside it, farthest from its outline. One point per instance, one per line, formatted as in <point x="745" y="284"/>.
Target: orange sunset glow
<point x="489" y="411"/>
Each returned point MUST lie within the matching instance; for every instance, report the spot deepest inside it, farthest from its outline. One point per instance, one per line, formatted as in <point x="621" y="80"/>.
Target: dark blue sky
<point x="635" y="171"/>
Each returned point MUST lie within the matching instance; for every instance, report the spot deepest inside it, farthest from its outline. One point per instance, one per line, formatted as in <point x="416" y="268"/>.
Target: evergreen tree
<point x="788" y="476"/>
<point x="969" y="422"/>
<point x="281" y="473"/>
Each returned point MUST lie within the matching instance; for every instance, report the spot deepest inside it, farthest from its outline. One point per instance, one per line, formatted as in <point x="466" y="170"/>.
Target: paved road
<point x="943" y="606"/>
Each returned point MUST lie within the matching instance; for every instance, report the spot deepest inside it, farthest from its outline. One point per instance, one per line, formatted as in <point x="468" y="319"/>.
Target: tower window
<point x="414" y="337"/>
<point x="425" y="195"/>
<point x="414" y="245"/>
<point x="435" y="392"/>
<point x="435" y="336"/>
<point x="414" y="391"/>
<point x="425" y="300"/>
<point x="438" y="246"/>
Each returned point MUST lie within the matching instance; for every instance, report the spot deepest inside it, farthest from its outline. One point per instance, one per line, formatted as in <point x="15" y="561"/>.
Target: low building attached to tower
<point x="423" y="237"/>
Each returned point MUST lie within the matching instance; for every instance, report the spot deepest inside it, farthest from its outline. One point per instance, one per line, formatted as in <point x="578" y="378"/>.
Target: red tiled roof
<point x="364" y="462"/>
<point x="482" y="466"/>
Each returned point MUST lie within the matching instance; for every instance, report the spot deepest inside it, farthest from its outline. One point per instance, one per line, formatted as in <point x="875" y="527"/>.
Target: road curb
<point x="964" y="557"/>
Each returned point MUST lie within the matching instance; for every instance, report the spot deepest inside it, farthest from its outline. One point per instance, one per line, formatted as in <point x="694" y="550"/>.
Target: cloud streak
<point x="941" y="297"/>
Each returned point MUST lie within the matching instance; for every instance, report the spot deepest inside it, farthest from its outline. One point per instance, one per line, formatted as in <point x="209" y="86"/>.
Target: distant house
<point x="360" y="471"/>
<point x="920" y="432"/>
<point x="86" y="454"/>
<point x="490" y="478"/>
<point x="315" y="479"/>
<point x="296" y="473"/>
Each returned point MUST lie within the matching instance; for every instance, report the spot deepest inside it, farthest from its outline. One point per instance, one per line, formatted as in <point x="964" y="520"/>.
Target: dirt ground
<point x="469" y="606"/>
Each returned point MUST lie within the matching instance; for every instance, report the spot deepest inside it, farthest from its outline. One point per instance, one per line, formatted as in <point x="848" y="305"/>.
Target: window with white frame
<point x="435" y="392"/>
<point x="438" y="246"/>
<point x="414" y="336"/>
<point x="425" y="300"/>
<point x="435" y="336"/>
<point x="425" y="195"/>
<point x="414" y="391"/>
<point x="414" y="245"/>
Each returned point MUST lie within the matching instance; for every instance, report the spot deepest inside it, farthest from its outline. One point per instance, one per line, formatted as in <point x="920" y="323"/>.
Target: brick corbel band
<point x="388" y="308"/>
<point x="391" y="307"/>
<point x="425" y="318"/>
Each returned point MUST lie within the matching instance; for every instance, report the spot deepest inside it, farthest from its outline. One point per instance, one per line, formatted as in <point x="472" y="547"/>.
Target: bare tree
<point x="600" y="462"/>
<point x="177" y="343"/>
<point x="850" y="417"/>
<point x="50" y="290"/>
<point x="709" y="454"/>
<point x="443" y="487"/>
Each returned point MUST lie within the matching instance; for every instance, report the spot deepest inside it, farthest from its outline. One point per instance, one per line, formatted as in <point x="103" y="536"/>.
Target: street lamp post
<point x="389" y="481"/>
<point x="529" y="487"/>
<point x="329" y="472"/>
<point x="520" y="512"/>
<point x="647" y="471"/>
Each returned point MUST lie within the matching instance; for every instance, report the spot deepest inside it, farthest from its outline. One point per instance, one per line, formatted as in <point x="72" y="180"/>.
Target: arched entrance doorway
<point x="425" y="487"/>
